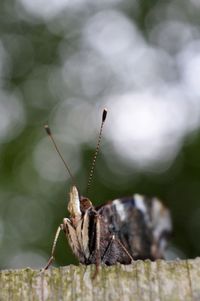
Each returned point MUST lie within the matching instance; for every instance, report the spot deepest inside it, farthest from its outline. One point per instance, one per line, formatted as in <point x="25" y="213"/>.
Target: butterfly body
<point x="121" y="230"/>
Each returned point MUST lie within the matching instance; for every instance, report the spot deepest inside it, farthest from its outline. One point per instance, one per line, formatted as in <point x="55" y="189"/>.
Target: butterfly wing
<point x="137" y="225"/>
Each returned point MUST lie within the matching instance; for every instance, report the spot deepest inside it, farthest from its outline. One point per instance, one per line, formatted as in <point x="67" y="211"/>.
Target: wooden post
<point x="141" y="281"/>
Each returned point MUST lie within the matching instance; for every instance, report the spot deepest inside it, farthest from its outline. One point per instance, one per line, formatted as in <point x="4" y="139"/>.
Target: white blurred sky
<point x="151" y="89"/>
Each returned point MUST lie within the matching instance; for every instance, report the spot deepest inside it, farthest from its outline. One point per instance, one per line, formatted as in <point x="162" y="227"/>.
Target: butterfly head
<point x="77" y="204"/>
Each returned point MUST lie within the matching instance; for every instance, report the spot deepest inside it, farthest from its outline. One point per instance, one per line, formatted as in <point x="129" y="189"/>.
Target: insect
<point x="120" y="231"/>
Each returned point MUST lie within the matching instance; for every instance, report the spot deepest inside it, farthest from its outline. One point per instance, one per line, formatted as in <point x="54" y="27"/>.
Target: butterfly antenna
<point x="104" y="114"/>
<point x="49" y="133"/>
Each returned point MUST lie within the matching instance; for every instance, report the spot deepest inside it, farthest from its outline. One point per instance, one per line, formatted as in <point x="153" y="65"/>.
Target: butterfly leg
<point x="108" y="247"/>
<point x="113" y="238"/>
<point x="125" y="249"/>
<point x="98" y="234"/>
<point x="51" y="259"/>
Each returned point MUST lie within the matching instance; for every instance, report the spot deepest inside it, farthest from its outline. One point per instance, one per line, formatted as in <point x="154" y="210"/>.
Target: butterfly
<point x="119" y="231"/>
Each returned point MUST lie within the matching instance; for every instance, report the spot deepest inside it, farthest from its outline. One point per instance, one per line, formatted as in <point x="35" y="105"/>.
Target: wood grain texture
<point x="141" y="281"/>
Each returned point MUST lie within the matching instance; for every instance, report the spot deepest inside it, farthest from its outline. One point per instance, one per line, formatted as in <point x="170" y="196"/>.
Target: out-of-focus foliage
<point x="62" y="62"/>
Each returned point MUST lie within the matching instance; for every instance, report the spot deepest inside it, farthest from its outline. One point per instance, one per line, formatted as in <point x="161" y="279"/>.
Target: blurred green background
<point x="63" y="62"/>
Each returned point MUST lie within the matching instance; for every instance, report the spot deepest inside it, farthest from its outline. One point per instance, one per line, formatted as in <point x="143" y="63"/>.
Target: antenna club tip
<point x="47" y="129"/>
<point x="104" y="114"/>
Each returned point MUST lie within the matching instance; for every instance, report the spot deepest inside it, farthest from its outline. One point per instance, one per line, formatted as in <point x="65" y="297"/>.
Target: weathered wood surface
<point x="141" y="281"/>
